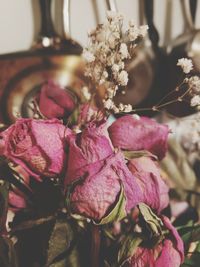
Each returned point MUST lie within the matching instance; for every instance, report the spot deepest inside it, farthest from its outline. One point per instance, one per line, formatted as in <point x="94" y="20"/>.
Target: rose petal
<point x="139" y="134"/>
<point x="54" y="101"/>
<point x="176" y="238"/>
<point x="31" y="144"/>
<point x="97" y="194"/>
<point x="169" y="256"/>
<point x="90" y="146"/>
<point x="154" y="189"/>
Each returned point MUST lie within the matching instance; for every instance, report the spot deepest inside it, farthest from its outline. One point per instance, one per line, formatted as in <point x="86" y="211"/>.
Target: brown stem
<point x="95" y="245"/>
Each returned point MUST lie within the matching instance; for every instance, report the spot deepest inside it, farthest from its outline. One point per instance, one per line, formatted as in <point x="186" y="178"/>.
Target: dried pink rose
<point x="130" y="133"/>
<point x="153" y="187"/>
<point x="169" y="253"/>
<point x="90" y="146"/>
<point x="54" y="101"/>
<point x="36" y="145"/>
<point x="98" y="192"/>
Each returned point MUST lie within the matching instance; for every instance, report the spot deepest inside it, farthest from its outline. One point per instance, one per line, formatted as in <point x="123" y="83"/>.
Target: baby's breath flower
<point x="86" y="93"/>
<point x="88" y="56"/>
<point x="124" y="51"/>
<point x="185" y="64"/>
<point x="112" y="15"/>
<point x="143" y="30"/>
<point x="195" y="101"/>
<point x="109" y="48"/>
<point x="133" y="33"/>
<point x="115" y="69"/>
<point x="128" y="108"/>
<point x="115" y="109"/>
<point x="123" y="78"/>
<point x="194" y="84"/>
<point x="108" y="104"/>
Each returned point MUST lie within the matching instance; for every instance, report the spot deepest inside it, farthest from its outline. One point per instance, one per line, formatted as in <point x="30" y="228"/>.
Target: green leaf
<point x="118" y="212"/>
<point x="4" y="188"/>
<point x="137" y="154"/>
<point x="128" y="247"/>
<point x="60" y="252"/>
<point x="153" y="222"/>
<point x="8" y="256"/>
<point x="190" y="233"/>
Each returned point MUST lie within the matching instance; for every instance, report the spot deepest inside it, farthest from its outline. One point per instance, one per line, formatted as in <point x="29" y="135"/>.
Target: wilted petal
<point x="177" y="241"/>
<point x="130" y="133"/>
<point x="169" y="256"/>
<point x="97" y="194"/>
<point x="54" y="101"/>
<point x="31" y="144"/>
<point x="90" y="146"/>
<point x="143" y="257"/>
<point x="16" y="202"/>
<point x="154" y="189"/>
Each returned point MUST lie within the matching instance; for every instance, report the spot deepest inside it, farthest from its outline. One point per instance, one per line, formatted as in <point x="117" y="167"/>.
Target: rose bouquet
<point x="80" y="190"/>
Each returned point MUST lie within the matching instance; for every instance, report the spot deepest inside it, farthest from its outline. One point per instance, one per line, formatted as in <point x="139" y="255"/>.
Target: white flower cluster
<point x="109" y="48"/>
<point x="194" y="90"/>
<point x="185" y="64"/>
<point x="193" y="82"/>
<point x="187" y="132"/>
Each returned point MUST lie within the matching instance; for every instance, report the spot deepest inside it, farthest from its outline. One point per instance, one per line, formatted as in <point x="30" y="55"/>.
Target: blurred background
<point x="17" y="23"/>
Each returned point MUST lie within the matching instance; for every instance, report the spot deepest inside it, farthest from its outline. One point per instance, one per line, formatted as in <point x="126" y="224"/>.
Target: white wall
<point x="16" y="20"/>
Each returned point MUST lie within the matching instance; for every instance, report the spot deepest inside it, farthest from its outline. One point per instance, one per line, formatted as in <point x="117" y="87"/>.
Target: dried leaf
<point x="60" y="252"/>
<point x="137" y="154"/>
<point x="128" y="247"/>
<point x="152" y="221"/>
<point x="118" y="212"/>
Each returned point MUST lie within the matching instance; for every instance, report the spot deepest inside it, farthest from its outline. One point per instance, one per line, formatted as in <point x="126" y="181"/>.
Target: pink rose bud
<point x="169" y="253"/>
<point x="36" y="145"/>
<point x="154" y="189"/>
<point x="130" y="133"/>
<point x="54" y="101"/>
<point x="90" y="146"/>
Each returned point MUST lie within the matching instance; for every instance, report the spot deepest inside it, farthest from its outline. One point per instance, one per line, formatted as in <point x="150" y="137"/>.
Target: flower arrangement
<point x="79" y="190"/>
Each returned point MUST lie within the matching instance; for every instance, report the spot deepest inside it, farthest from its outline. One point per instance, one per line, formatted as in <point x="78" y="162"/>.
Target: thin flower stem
<point x="95" y="245"/>
<point x="178" y="87"/>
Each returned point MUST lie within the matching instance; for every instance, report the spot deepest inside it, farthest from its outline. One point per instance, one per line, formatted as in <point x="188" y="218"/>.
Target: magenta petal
<point x="143" y="257"/>
<point x="154" y="189"/>
<point x="133" y="192"/>
<point x="16" y="201"/>
<point x="130" y="133"/>
<point x="90" y="146"/>
<point x="97" y="194"/>
<point x="31" y="144"/>
<point x="54" y="101"/>
<point x="178" y="242"/>
<point x="169" y="256"/>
